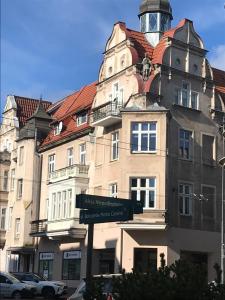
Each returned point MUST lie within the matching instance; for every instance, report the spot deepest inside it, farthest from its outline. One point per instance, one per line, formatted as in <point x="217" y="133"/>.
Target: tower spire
<point x="155" y="18"/>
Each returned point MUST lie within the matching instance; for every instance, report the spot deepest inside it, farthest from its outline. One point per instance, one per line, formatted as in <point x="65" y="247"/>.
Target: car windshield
<point x="12" y="278"/>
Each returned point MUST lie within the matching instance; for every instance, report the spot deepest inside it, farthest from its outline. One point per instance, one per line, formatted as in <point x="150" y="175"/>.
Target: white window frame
<point x="20" y="188"/>
<point x="147" y="189"/>
<point x="139" y="132"/>
<point x="3" y="218"/>
<point x="13" y="178"/>
<point x="59" y="205"/>
<point x="82" y="148"/>
<point x="113" y="190"/>
<point x="21" y="155"/>
<point x="180" y="99"/>
<point x="69" y="203"/>
<point x="64" y="204"/>
<point x="115" y="146"/>
<point x="5" y="180"/>
<point x="17" y="228"/>
<point x="51" y="163"/>
<point x="70" y="156"/>
<point x="54" y="206"/>
<point x="190" y="143"/>
<point x="82" y="118"/>
<point x="185" y="197"/>
<point x="10" y="217"/>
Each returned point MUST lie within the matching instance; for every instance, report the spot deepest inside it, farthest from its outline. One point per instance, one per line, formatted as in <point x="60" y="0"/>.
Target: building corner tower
<point x="155" y="18"/>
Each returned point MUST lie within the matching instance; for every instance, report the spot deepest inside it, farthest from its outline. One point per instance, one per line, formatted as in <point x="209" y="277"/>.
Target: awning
<point x="21" y="250"/>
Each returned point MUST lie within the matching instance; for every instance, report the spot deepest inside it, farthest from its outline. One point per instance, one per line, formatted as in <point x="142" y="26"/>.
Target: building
<point x="66" y="157"/>
<point x="25" y="123"/>
<point x="147" y="130"/>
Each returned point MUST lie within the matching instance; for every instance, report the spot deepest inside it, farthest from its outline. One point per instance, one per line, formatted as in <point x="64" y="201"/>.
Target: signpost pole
<point x="89" y="259"/>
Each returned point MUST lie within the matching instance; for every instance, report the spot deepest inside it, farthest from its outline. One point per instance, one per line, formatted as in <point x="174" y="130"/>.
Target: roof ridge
<point x="33" y="99"/>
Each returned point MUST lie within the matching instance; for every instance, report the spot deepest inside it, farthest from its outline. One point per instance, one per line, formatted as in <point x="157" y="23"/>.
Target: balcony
<point x="149" y="220"/>
<point x="69" y="172"/>
<point x="106" y="115"/>
<point x="38" y="228"/>
<point x="59" y="229"/>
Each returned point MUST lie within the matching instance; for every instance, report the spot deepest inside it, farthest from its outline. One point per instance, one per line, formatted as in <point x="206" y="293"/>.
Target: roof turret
<point x="156" y="6"/>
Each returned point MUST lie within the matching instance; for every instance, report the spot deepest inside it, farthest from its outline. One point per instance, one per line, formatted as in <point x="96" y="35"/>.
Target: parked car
<point x="46" y="288"/>
<point x="11" y="287"/>
<point x="106" y="287"/>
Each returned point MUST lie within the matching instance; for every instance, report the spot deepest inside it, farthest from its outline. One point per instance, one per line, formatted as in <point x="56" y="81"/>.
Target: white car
<point x="106" y="288"/>
<point x="45" y="288"/>
<point x="11" y="287"/>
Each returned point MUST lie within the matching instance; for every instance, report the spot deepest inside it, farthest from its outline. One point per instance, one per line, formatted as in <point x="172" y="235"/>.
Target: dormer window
<point x="58" y="128"/>
<point x="186" y="97"/>
<point x="82" y="118"/>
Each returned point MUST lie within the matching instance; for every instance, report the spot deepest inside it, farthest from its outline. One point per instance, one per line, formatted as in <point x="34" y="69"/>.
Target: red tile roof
<point x="140" y="43"/>
<point x="27" y="106"/>
<point x="219" y="80"/>
<point x="80" y="100"/>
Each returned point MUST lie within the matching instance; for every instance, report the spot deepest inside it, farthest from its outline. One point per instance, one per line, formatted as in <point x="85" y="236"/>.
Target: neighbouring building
<point x="25" y="123"/>
<point x="147" y="130"/>
<point x="66" y="157"/>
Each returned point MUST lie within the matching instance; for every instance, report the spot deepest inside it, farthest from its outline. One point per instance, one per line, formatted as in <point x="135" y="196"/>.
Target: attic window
<point x="82" y="118"/>
<point x="58" y="128"/>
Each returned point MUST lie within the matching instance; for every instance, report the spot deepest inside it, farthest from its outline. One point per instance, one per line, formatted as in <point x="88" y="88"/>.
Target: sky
<point x="50" y="48"/>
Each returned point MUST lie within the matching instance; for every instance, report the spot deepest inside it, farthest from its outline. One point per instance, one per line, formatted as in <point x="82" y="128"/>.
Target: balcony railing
<point x="68" y="172"/>
<point x="106" y="114"/>
<point x="38" y="227"/>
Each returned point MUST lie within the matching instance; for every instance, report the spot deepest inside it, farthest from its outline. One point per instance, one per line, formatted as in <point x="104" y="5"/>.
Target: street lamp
<point x="222" y="163"/>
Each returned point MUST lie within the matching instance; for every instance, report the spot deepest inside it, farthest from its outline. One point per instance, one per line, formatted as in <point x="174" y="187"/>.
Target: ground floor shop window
<point x="145" y="259"/>
<point x="46" y="264"/>
<point x="71" y="265"/>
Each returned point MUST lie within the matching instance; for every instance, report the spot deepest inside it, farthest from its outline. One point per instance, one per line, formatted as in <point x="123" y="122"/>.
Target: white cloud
<point x="217" y="57"/>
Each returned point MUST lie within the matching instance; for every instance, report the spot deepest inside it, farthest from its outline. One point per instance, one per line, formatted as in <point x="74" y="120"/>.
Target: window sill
<point x="143" y="152"/>
<point x="114" y="160"/>
<point x="187" y="108"/>
<point x="186" y="216"/>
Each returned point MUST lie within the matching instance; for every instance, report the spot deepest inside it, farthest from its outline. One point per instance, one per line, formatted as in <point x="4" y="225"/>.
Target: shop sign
<point x="46" y="256"/>
<point x="72" y="255"/>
